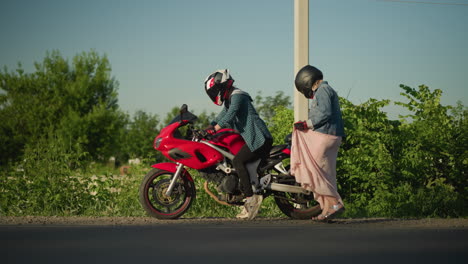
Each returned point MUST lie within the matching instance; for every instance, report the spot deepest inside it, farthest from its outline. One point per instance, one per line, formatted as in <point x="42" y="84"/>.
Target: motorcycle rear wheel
<point x="153" y="196"/>
<point x="295" y="205"/>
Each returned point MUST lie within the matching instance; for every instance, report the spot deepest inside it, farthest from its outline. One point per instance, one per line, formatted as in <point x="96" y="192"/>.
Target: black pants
<point x="245" y="156"/>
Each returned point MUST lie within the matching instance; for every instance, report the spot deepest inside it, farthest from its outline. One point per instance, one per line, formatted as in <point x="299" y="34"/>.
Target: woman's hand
<point x="301" y="125"/>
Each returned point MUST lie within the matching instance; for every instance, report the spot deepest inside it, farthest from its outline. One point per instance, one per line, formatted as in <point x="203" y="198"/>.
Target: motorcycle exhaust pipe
<point x="287" y="188"/>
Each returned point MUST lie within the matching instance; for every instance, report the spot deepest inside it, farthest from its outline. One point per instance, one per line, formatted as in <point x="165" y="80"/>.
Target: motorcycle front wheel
<point x="153" y="196"/>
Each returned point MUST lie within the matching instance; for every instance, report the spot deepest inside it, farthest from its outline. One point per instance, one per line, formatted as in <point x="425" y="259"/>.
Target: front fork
<point x="174" y="179"/>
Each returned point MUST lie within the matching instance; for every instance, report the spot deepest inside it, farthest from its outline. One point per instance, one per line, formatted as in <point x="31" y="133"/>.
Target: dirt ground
<point x="124" y="221"/>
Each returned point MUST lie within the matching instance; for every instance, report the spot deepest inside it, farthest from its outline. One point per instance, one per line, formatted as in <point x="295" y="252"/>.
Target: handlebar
<point x="202" y="134"/>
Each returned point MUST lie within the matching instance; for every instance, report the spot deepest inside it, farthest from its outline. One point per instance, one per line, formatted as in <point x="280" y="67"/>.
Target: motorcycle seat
<point x="278" y="148"/>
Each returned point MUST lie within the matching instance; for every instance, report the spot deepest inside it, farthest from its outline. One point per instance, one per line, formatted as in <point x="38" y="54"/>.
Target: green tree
<point x="364" y="162"/>
<point x="139" y="135"/>
<point x="435" y="140"/>
<point x="281" y="124"/>
<point x="432" y="158"/>
<point x="77" y="100"/>
<point x="413" y="167"/>
<point x="266" y="106"/>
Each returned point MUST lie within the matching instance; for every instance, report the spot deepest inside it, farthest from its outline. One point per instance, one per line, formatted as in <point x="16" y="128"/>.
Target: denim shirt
<point x="324" y="111"/>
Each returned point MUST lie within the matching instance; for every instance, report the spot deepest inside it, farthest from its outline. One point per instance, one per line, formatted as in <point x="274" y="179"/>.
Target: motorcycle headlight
<point x="157" y="143"/>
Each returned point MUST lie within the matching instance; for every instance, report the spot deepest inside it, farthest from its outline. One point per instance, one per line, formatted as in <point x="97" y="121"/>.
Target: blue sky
<point x="161" y="51"/>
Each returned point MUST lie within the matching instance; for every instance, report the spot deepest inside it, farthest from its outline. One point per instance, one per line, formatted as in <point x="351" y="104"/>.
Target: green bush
<point x="412" y="167"/>
<point x="436" y="200"/>
<point x="54" y="180"/>
<point x="43" y="183"/>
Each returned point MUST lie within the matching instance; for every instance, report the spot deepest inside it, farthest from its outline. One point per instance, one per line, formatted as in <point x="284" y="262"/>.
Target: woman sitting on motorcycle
<point x="239" y="113"/>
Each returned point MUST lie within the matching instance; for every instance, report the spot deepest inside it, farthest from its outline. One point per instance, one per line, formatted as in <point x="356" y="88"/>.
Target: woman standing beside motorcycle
<point x="239" y="114"/>
<point x="315" y="148"/>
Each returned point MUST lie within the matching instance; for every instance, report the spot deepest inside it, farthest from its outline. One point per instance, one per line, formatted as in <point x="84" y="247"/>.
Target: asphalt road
<point x="232" y="242"/>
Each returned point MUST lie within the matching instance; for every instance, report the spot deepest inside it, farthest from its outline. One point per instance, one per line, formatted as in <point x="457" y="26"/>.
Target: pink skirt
<point x="313" y="163"/>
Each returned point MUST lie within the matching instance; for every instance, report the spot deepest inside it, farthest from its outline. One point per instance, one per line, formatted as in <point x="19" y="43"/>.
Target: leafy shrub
<point x="77" y="99"/>
<point x="406" y="168"/>
<point x="281" y="124"/>
<point x="413" y="167"/>
<point x="43" y="182"/>
<point x="53" y="180"/>
<point x="436" y="200"/>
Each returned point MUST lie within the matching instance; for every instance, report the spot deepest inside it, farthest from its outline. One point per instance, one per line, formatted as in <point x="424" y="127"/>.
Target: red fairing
<point x="164" y="134"/>
<point x="286" y="151"/>
<point x="171" y="167"/>
<point x="167" y="166"/>
<point x="230" y="139"/>
<point x="192" y="154"/>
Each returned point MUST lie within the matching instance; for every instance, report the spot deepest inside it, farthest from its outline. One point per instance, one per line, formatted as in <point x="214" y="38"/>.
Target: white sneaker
<point x="243" y="214"/>
<point x="251" y="206"/>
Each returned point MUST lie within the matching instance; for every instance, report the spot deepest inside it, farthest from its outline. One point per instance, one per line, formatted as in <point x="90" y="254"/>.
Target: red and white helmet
<point x="218" y="85"/>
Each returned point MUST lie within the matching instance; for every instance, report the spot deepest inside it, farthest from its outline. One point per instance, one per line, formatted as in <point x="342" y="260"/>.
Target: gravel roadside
<point x="124" y="221"/>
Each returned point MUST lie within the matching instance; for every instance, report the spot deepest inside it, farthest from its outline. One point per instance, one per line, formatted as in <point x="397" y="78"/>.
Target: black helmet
<point x="305" y="79"/>
<point x="217" y="86"/>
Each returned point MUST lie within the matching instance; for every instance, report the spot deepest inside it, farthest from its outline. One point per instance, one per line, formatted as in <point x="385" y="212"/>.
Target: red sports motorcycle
<point x="168" y="190"/>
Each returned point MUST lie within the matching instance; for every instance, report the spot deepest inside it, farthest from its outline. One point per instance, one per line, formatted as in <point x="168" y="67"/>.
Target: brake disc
<point x="159" y="193"/>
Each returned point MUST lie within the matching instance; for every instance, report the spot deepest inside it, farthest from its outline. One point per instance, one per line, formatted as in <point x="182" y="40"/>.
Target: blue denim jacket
<point x="324" y="111"/>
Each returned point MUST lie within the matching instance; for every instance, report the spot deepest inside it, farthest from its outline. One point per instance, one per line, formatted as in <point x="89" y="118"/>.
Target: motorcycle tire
<point x="306" y="209"/>
<point x="294" y="205"/>
<point x="157" y="204"/>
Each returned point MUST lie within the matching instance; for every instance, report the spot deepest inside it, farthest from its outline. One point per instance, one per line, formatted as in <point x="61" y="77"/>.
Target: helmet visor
<point x="213" y="90"/>
<point x="215" y="95"/>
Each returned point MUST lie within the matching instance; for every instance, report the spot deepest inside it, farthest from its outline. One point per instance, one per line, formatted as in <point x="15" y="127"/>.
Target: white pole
<point x="301" y="53"/>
